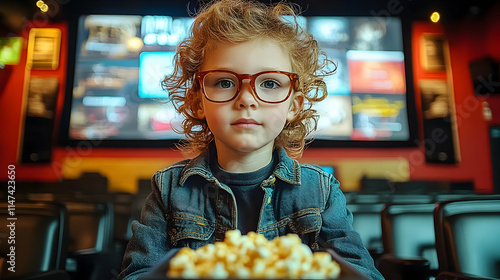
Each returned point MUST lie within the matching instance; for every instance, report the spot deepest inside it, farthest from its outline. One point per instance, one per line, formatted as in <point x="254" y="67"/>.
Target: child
<point x="245" y="81"/>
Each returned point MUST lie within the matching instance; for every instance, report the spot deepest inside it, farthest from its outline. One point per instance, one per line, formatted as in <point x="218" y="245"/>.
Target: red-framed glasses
<point x="268" y="86"/>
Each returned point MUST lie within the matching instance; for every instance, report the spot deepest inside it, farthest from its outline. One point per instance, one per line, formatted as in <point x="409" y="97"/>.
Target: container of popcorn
<point x="252" y="256"/>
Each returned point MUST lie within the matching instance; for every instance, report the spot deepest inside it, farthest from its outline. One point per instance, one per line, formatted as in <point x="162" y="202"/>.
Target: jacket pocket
<point x="306" y="224"/>
<point x="302" y="223"/>
<point x="187" y="230"/>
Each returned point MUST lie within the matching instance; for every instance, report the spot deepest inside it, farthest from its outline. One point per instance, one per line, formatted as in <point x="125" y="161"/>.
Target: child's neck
<point x="241" y="162"/>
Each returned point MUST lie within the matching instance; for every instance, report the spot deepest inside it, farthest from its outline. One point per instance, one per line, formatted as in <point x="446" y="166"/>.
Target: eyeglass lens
<point x="270" y="87"/>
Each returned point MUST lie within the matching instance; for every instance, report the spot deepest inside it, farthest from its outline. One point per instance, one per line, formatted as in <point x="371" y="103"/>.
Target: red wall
<point x="468" y="40"/>
<point x="13" y="103"/>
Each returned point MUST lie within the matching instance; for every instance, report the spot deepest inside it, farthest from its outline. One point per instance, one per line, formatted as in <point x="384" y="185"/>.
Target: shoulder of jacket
<point x="167" y="175"/>
<point x="314" y="168"/>
<point x="173" y="167"/>
<point x="327" y="181"/>
<point x="172" y="171"/>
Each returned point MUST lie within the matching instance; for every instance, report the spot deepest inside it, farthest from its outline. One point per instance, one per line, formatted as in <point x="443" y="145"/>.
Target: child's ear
<point x="295" y="106"/>
<point x="200" y="113"/>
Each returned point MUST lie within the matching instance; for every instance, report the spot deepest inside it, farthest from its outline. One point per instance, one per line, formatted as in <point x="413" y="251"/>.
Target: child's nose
<point x="246" y="97"/>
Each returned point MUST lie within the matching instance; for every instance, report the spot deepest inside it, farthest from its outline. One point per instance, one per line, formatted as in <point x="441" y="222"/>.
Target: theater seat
<point x="366" y="221"/>
<point x="40" y="232"/>
<point x="90" y="241"/>
<point x="409" y="242"/>
<point x="467" y="233"/>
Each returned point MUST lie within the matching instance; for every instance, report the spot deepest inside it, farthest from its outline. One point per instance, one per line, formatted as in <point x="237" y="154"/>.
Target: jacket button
<point x="268" y="199"/>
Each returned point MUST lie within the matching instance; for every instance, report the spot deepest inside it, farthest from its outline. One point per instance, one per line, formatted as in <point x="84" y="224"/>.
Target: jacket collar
<point x="287" y="169"/>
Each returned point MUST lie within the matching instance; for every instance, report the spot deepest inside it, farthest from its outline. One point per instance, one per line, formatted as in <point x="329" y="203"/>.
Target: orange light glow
<point x="44" y="8"/>
<point x="435" y="17"/>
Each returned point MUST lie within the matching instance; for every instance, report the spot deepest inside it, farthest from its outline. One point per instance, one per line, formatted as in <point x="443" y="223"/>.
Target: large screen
<point x="115" y="94"/>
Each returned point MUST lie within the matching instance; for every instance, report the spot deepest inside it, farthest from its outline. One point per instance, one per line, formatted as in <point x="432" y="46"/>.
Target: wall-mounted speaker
<point x="485" y="76"/>
<point x="39" y="120"/>
<point x="37" y="141"/>
<point x="439" y="143"/>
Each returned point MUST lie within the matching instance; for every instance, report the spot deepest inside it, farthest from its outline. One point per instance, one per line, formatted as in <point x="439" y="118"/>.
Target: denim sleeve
<point x="149" y="242"/>
<point x="337" y="233"/>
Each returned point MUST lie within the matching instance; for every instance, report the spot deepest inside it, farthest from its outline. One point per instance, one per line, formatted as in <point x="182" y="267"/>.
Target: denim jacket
<point x="188" y="206"/>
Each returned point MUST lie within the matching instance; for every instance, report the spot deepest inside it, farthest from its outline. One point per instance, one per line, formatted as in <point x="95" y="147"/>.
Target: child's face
<point x="246" y="124"/>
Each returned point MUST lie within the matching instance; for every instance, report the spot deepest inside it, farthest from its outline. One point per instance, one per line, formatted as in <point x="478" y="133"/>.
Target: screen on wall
<point x="116" y="96"/>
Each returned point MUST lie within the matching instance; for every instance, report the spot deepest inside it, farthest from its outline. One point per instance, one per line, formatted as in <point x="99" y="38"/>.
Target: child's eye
<point x="269" y="84"/>
<point x="225" y="84"/>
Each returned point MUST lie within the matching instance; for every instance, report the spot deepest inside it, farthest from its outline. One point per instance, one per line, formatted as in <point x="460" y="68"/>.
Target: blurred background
<point x="412" y="99"/>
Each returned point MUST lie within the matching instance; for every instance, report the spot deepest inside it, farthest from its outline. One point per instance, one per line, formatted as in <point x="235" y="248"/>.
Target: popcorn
<point x="253" y="256"/>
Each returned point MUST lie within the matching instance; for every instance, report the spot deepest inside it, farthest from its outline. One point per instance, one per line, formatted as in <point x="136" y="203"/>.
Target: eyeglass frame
<point x="294" y="77"/>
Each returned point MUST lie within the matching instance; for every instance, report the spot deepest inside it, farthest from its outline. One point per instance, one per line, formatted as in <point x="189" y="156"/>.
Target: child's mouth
<point x="246" y="123"/>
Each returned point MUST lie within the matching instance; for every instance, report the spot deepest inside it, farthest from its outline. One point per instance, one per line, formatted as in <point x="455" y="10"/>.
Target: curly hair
<point x="238" y="21"/>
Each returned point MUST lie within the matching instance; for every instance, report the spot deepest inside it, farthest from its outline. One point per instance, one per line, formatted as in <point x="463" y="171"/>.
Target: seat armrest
<point x="46" y="275"/>
<point x="459" y="276"/>
<point x="394" y="268"/>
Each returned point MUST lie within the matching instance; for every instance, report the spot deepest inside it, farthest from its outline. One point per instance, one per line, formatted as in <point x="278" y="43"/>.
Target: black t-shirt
<point x="247" y="192"/>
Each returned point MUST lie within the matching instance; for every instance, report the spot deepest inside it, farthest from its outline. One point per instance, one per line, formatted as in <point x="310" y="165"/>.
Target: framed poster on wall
<point x="433" y="52"/>
<point x="435" y="99"/>
<point x="44" y="48"/>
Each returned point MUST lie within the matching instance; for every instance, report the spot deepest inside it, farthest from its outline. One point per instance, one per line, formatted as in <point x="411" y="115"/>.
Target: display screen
<point x="10" y="50"/>
<point x="367" y="96"/>
<point x="120" y="61"/>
